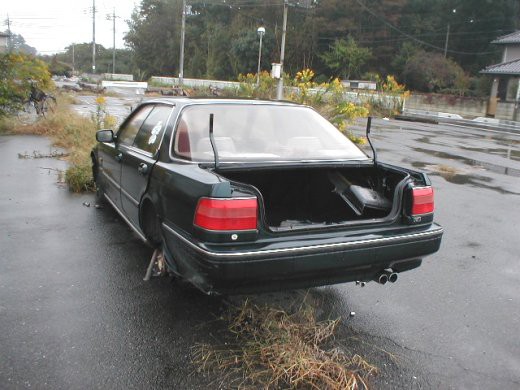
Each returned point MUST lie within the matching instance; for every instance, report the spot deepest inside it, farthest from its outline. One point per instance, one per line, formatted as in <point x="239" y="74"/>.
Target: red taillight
<point x="226" y="214"/>
<point x="422" y="200"/>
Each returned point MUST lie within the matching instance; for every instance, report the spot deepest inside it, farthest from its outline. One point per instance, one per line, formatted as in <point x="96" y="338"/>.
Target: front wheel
<point x="27" y="113"/>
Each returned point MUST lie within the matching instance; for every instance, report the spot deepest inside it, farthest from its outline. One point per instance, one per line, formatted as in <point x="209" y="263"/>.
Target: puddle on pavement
<point x="508" y="153"/>
<point x="473" y="163"/>
<point x="452" y="175"/>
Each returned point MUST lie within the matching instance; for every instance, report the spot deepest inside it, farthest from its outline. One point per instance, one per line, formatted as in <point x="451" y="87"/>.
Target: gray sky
<point x="50" y="25"/>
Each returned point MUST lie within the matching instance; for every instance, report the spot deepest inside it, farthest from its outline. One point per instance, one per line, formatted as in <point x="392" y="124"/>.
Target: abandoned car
<point x="249" y="196"/>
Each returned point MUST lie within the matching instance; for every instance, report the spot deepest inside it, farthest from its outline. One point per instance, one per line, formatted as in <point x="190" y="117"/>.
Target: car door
<point x="139" y="158"/>
<point x="110" y="171"/>
<point x="111" y="156"/>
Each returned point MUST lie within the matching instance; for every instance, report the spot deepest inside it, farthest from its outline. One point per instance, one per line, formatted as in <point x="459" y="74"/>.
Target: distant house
<point x="4" y="40"/>
<point x="506" y="75"/>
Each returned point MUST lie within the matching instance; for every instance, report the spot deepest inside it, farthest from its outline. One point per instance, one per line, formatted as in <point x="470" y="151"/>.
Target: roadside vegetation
<point x="270" y="347"/>
<point x="17" y="72"/>
<point x="70" y="131"/>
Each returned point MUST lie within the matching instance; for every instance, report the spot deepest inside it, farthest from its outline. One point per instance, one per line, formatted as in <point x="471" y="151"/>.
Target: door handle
<point x="119" y="156"/>
<point x="142" y="168"/>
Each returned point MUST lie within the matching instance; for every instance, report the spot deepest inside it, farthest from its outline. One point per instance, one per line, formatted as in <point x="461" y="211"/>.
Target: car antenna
<point x="369" y="125"/>
<point x="212" y="140"/>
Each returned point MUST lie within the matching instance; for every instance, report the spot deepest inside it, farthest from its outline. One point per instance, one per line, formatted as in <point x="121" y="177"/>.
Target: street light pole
<point x="447" y="40"/>
<point x="279" y="92"/>
<point x="261" y="32"/>
<point x="181" y="55"/>
<point x="454" y="11"/>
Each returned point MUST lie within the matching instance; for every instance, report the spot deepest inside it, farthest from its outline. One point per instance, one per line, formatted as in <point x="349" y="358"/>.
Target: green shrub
<point x="17" y="72"/>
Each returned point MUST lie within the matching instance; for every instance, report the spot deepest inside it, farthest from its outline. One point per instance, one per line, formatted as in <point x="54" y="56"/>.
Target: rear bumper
<point x="307" y="262"/>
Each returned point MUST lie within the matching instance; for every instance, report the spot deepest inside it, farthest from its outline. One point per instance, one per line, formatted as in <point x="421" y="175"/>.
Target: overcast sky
<point x="51" y="25"/>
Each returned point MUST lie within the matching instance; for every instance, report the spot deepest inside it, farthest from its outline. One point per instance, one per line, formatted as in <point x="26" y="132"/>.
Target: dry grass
<point x="276" y="349"/>
<point x="67" y="130"/>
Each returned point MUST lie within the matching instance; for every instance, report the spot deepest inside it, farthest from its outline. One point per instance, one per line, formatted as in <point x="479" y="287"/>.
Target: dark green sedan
<point x="249" y="196"/>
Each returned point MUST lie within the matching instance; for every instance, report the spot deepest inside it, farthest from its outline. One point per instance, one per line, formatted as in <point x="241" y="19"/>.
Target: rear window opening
<point x="260" y="133"/>
<point x="323" y="196"/>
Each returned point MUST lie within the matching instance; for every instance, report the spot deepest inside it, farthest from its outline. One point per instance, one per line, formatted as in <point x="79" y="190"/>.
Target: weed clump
<point x="277" y="349"/>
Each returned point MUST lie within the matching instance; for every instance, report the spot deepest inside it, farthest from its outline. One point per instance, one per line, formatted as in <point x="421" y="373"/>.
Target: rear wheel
<point x="48" y="105"/>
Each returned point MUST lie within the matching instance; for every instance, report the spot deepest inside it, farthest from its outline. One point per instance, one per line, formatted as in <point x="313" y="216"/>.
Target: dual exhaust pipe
<point x="387" y="276"/>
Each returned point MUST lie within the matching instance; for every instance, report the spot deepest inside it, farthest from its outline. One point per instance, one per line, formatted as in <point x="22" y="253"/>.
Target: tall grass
<point x="67" y="130"/>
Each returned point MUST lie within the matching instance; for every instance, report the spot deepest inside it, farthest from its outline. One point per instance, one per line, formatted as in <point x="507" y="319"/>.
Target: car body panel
<point x="109" y="167"/>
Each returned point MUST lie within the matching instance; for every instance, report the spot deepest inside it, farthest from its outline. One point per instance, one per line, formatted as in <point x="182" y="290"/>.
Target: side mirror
<point x="105" y="136"/>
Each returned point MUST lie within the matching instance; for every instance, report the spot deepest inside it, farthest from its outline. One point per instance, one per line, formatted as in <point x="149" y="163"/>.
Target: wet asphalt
<point x="76" y="314"/>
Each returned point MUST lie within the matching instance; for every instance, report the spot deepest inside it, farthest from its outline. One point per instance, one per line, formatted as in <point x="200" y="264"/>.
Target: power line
<point x="383" y="20"/>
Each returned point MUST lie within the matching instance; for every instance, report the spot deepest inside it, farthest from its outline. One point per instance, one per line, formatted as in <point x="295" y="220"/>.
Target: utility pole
<point x="183" y="33"/>
<point x="447" y="40"/>
<point x="303" y="4"/>
<point x="10" y="40"/>
<point x="114" y="41"/>
<point x="279" y="92"/>
<point x="113" y="18"/>
<point x="73" y="59"/>
<point x="93" y="36"/>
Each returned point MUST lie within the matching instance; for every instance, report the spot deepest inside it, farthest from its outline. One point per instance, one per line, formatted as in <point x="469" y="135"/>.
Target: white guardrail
<point x="124" y="84"/>
<point x="361" y="97"/>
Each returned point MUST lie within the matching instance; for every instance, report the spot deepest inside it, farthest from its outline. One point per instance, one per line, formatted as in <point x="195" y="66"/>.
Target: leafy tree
<point x="244" y="52"/>
<point x="154" y="36"/>
<point x="346" y="58"/>
<point x="431" y="72"/>
<point x="61" y="63"/>
<point x="17" y="43"/>
<point x="220" y="35"/>
<point x="17" y="72"/>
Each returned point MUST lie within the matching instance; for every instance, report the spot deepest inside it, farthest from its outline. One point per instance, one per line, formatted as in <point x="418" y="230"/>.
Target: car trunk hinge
<point x="369" y="125"/>
<point x="212" y="141"/>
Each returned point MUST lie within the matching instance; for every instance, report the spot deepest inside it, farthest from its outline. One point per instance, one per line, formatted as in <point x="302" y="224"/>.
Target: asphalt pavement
<point x="75" y="312"/>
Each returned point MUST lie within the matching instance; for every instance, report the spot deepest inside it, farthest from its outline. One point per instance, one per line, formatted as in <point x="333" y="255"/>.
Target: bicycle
<point x="46" y="104"/>
<point x="41" y="101"/>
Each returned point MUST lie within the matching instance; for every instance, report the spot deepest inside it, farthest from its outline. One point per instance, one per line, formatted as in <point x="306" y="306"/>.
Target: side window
<point x="128" y="132"/>
<point x="149" y="136"/>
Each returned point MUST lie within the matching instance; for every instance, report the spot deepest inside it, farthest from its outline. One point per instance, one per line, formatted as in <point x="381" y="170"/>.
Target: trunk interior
<point x="322" y="196"/>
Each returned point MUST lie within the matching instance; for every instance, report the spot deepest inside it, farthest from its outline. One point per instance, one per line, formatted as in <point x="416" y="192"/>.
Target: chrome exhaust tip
<point x="382" y="279"/>
<point x="392" y="278"/>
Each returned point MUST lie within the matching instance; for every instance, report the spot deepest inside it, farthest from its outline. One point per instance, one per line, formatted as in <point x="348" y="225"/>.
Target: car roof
<point x="183" y="100"/>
